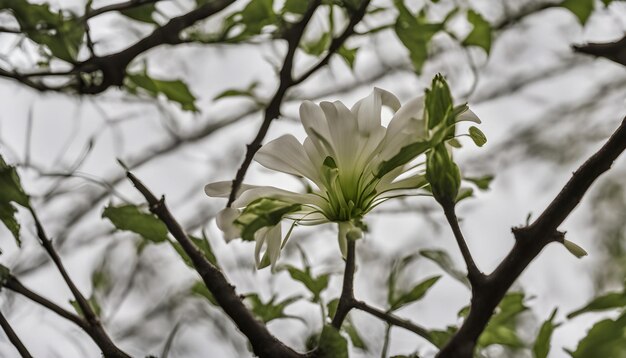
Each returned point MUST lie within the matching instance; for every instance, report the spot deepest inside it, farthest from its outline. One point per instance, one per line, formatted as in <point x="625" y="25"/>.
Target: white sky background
<point x="62" y="125"/>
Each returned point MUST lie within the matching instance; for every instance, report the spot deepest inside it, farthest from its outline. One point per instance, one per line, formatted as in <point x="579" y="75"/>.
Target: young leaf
<point x="204" y="246"/>
<point x="200" y="289"/>
<point x="271" y="310"/>
<point x="130" y="218"/>
<point x="582" y="9"/>
<point x="605" y="302"/>
<point x="317" y="47"/>
<point x="477" y="136"/>
<point x="143" y="13"/>
<point x="415" y="33"/>
<point x="348" y="54"/>
<point x="5" y="274"/>
<point x="443" y="260"/>
<point x="415" y="294"/>
<point x="481" y="33"/>
<point x="481" y="182"/>
<point x="314" y="284"/>
<point x="439" y="338"/>
<point x="332" y="344"/>
<point x="7" y="216"/>
<point x="10" y="186"/>
<point x="61" y="34"/>
<point x="297" y="7"/>
<point x="354" y="335"/>
<point x="541" y="348"/>
<point x="176" y="90"/>
<point x="604" y="339"/>
<point x="247" y="92"/>
<point x="501" y="327"/>
<point x="332" y="307"/>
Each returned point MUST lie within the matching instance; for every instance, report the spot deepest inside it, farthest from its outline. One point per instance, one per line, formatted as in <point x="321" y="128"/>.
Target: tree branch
<point x="17" y="342"/>
<point x="530" y="240"/>
<point x="117" y="7"/>
<point x="15" y="285"/>
<point x="393" y="319"/>
<point x="287" y="81"/>
<point x="263" y="342"/>
<point x="94" y="329"/>
<point x="475" y="276"/>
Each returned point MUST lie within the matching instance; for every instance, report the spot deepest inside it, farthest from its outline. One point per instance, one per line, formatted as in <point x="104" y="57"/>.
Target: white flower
<point x="352" y="161"/>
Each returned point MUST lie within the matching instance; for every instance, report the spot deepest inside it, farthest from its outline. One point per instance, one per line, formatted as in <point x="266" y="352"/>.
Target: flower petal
<point x="468" y="116"/>
<point x="368" y="109"/>
<point x="225" y="222"/>
<point x="287" y="155"/>
<point x="221" y="189"/>
<point x="272" y="192"/>
<point x="316" y="127"/>
<point x="342" y="126"/>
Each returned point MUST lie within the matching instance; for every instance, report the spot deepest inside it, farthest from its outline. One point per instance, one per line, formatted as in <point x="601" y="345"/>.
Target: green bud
<point x="443" y="174"/>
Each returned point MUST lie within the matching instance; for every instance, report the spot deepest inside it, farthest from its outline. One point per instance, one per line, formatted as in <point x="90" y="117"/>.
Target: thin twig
<point x="15" y="285"/>
<point x="17" y="342"/>
<point x="393" y="319"/>
<point x="94" y="328"/>
<point x="473" y="273"/>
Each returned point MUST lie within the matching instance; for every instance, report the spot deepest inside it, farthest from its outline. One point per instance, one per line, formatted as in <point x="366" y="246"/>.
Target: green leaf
<point x="582" y="9"/>
<point x="176" y="91"/>
<point x="314" y="284"/>
<point x="574" y="249"/>
<point x="130" y="218"/>
<point x="541" y="348"/>
<point x="481" y="33"/>
<point x="439" y="338"/>
<point x="482" y="182"/>
<point x="7" y="216"/>
<point x="250" y="21"/>
<point x="297" y="7"/>
<point x="247" y="92"/>
<point x="61" y="34"/>
<point x="143" y="13"/>
<point x="477" y="136"/>
<point x="443" y="260"/>
<point x="464" y="193"/>
<point x="397" y="268"/>
<point x="271" y="310"/>
<point x="501" y="327"/>
<point x="332" y="344"/>
<point x="605" y="302"/>
<point x="261" y="213"/>
<point x="11" y="191"/>
<point x="348" y="54"/>
<point x="201" y="243"/>
<point x="93" y="303"/>
<point x="415" y="294"/>
<point x="604" y="339"/>
<point x="10" y="186"/>
<point x="5" y="274"/>
<point x="332" y="307"/>
<point x="406" y="154"/>
<point x="354" y="335"/>
<point x="200" y="289"/>
<point x="415" y="34"/>
<point x="318" y="46"/>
